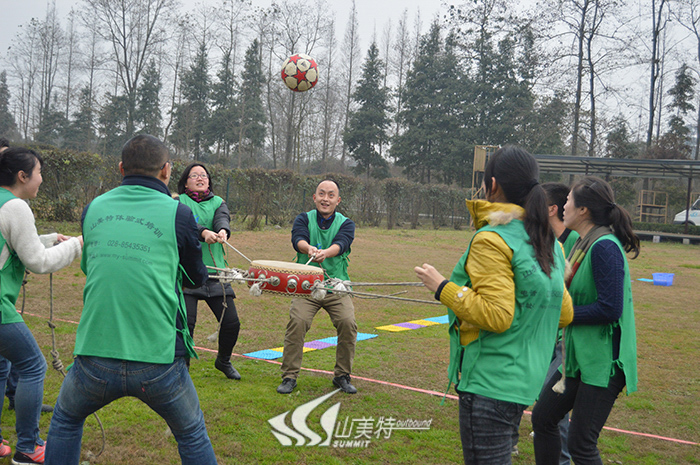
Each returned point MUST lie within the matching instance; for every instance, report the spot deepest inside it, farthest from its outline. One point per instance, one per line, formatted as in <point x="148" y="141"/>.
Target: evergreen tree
<point x="8" y="127"/>
<point x="675" y="141"/>
<point x="113" y="124"/>
<point x="192" y="116"/>
<point x="52" y="127"/>
<point x="433" y="115"/>
<point x="80" y="134"/>
<point x="619" y="140"/>
<point x="414" y="148"/>
<point x="251" y="113"/>
<point x="148" y="118"/>
<point x="368" y="125"/>
<point x="221" y="129"/>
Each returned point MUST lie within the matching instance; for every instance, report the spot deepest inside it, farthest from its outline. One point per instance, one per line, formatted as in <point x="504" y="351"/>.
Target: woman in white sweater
<point x="21" y="247"/>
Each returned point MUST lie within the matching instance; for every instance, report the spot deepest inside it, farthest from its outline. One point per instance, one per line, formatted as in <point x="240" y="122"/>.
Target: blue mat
<point x="273" y="354"/>
<point x="265" y="354"/>
<point x="443" y="320"/>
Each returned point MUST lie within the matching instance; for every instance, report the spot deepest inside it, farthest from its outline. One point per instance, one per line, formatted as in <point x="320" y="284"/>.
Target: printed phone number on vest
<point x="129" y="245"/>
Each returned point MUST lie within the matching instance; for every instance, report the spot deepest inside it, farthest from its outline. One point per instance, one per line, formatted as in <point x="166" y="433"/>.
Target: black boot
<point x="224" y="366"/>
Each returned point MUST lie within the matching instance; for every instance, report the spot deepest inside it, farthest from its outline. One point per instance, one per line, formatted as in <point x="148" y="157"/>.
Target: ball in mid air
<point x="300" y="72"/>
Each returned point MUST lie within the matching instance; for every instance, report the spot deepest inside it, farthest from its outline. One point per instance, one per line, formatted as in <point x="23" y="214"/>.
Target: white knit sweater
<point x="38" y="253"/>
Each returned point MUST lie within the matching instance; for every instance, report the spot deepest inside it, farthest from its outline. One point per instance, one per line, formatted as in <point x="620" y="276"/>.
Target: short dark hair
<point x="185" y="174"/>
<point x="144" y="154"/>
<point x="556" y="195"/>
<point x="16" y="159"/>
<point x="330" y="180"/>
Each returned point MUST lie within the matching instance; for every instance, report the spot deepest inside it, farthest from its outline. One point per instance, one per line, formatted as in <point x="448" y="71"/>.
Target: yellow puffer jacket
<point x="490" y="303"/>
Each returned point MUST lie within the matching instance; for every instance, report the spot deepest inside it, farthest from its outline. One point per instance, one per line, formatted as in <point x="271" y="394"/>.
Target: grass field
<point x="667" y="404"/>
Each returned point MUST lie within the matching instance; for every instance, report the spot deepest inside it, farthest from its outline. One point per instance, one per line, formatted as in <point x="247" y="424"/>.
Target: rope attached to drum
<point x="301" y="280"/>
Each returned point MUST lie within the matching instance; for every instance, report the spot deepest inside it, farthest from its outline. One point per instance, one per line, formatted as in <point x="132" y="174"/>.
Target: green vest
<point x="212" y="254"/>
<point x="336" y="267"/>
<point x="589" y="348"/>
<point x="11" y="275"/>
<point x="569" y="242"/>
<point x="129" y="232"/>
<point x="511" y="366"/>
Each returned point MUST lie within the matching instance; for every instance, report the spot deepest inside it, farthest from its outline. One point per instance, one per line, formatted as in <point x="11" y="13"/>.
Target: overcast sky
<point x="372" y="15"/>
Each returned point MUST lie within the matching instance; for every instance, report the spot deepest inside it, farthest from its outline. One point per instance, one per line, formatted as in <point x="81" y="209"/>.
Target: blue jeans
<point x="18" y="346"/>
<point x="93" y="382"/>
<point x="486" y="427"/>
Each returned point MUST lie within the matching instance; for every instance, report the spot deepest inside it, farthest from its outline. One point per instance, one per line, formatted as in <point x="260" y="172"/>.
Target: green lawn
<point x="237" y="413"/>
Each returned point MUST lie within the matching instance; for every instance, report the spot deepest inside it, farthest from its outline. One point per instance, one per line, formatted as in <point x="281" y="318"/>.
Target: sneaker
<point x="11" y="403"/>
<point x="5" y="450"/>
<point x="343" y="382"/>
<point x="226" y="368"/>
<point x="35" y="458"/>
<point x="287" y="386"/>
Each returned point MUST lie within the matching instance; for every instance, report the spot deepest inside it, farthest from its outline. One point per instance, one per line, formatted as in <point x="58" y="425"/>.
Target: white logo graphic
<point x="285" y="434"/>
<point x="355" y="432"/>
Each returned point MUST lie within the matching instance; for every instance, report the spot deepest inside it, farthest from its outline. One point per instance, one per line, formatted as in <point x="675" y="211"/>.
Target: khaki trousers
<point x="301" y="314"/>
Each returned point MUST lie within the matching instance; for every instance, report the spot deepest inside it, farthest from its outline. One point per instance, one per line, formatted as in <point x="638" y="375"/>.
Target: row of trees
<point x="564" y="77"/>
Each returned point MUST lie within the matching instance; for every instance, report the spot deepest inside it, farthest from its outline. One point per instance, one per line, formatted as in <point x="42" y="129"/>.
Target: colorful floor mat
<point x="271" y="354"/>
<point x="415" y="324"/>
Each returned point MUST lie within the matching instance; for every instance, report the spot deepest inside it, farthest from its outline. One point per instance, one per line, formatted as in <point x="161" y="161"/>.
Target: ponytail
<point x="516" y="172"/>
<point x="597" y="195"/>
<point x="538" y="229"/>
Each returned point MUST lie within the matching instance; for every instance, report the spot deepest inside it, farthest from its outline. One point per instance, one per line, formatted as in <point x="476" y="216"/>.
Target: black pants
<point x="590" y="406"/>
<point x="230" y="327"/>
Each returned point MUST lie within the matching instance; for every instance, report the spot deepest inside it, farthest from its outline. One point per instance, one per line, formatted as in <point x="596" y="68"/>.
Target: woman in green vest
<point x="21" y="247"/>
<point x="213" y="219"/>
<point x="600" y="345"/>
<point x="505" y="298"/>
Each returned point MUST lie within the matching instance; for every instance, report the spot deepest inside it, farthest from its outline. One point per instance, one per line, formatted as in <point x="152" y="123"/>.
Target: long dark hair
<point x="185" y="174"/>
<point x="517" y="173"/>
<point x="14" y="160"/>
<point x="597" y="195"/>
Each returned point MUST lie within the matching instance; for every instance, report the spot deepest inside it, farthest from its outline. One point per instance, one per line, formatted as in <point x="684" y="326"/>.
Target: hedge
<point x="256" y="196"/>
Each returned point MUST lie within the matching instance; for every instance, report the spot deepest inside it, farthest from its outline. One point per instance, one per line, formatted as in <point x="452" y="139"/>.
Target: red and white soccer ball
<point x="300" y="72"/>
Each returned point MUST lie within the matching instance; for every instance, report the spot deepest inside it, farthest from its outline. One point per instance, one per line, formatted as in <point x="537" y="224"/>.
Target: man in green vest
<point x="324" y="236"/>
<point x="140" y="247"/>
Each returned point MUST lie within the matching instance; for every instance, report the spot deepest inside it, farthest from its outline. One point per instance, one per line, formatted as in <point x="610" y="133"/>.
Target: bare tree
<point x="401" y="62"/>
<point x="134" y="29"/>
<point x="351" y="55"/>
<point x="25" y="66"/>
<point x="657" y="10"/>
<point x="51" y="42"/>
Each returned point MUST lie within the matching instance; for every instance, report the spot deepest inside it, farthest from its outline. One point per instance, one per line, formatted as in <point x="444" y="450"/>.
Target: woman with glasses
<point x="21" y="247"/>
<point x="600" y="345"/>
<point x="213" y="218"/>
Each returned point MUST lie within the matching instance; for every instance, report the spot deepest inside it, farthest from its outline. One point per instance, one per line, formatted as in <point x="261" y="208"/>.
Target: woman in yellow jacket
<point x="505" y="298"/>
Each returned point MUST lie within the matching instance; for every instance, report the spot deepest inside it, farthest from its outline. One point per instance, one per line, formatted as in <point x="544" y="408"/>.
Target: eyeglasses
<point x="195" y="176"/>
<point x="169" y="162"/>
